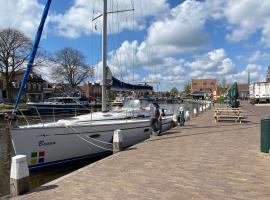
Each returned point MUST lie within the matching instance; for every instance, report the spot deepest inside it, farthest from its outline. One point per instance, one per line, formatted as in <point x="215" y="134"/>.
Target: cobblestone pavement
<point x="203" y="160"/>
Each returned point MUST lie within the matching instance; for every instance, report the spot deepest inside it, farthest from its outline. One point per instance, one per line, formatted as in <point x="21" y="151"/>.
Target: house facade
<point x="92" y="91"/>
<point x="204" y="88"/>
<point x="34" y="89"/>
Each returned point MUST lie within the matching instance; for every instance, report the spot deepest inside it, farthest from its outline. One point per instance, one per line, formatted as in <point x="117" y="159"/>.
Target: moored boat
<point x="81" y="137"/>
<point x="59" y="105"/>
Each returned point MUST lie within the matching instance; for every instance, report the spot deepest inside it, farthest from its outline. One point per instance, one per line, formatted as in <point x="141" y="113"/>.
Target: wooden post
<point x="117" y="141"/>
<point x="19" y="176"/>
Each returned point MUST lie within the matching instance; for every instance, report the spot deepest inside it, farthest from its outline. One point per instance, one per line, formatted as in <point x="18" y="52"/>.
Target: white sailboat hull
<point x="47" y="146"/>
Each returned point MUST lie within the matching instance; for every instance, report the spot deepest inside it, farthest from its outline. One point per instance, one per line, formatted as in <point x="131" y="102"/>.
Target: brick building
<point x="92" y="90"/>
<point x="202" y="88"/>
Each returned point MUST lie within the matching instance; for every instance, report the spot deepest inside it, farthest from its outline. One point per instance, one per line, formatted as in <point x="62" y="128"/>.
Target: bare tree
<point x="70" y="67"/>
<point x="14" y="49"/>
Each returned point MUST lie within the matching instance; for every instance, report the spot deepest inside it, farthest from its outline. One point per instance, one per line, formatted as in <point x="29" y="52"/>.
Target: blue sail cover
<point x="117" y="84"/>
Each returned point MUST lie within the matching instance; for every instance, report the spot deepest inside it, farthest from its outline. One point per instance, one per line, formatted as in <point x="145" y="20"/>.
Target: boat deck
<point x="203" y="160"/>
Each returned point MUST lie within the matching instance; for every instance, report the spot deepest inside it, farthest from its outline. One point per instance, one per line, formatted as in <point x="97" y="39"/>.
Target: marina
<point x="203" y="160"/>
<point x="113" y="99"/>
<point x="38" y="178"/>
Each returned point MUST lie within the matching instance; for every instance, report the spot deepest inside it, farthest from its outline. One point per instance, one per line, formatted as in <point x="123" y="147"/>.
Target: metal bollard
<point x="200" y="109"/>
<point x="117" y="141"/>
<point x="19" y="176"/>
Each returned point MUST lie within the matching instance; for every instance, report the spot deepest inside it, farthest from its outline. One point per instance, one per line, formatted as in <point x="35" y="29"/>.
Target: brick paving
<point x="203" y="160"/>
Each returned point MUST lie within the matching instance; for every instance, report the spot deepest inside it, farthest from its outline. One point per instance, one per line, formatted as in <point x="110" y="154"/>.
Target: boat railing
<point x="43" y="118"/>
<point x="52" y="118"/>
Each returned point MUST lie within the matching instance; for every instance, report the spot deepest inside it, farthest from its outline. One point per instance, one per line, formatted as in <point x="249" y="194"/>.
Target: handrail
<point x="24" y="117"/>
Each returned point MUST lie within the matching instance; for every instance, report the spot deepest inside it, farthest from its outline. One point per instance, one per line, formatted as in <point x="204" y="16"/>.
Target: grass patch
<point x="5" y="107"/>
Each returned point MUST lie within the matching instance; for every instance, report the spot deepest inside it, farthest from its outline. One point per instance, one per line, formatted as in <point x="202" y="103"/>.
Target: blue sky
<point x="164" y="41"/>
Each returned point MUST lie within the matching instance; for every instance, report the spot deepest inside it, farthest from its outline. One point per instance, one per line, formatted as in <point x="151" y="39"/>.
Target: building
<point x="268" y="75"/>
<point x="92" y="91"/>
<point x="33" y="90"/>
<point x="204" y="88"/>
<point x="243" y="90"/>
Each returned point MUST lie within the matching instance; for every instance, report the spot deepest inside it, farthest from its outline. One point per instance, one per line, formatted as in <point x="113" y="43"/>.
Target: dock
<point x="203" y="160"/>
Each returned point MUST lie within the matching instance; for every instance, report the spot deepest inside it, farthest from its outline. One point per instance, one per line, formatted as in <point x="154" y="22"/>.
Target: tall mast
<point x="33" y="51"/>
<point x="104" y="57"/>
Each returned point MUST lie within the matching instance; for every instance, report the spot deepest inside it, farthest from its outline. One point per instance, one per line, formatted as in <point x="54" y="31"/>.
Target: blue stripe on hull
<point x="65" y="162"/>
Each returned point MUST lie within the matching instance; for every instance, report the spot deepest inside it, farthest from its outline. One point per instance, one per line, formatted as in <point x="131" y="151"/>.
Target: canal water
<point x="40" y="178"/>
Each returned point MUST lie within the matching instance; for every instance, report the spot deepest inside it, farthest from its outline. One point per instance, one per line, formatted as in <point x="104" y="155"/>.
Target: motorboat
<point x="63" y="104"/>
<point x="119" y="101"/>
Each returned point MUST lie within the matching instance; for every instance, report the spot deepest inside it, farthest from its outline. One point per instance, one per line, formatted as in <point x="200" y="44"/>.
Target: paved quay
<point x="203" y="160"/>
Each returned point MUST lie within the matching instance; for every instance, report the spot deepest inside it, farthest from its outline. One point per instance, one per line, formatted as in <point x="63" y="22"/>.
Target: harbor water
<point x="42" y="177"/>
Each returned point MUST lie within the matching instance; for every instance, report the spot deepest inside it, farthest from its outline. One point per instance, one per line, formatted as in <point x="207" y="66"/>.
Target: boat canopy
<point x="117" y="84"/>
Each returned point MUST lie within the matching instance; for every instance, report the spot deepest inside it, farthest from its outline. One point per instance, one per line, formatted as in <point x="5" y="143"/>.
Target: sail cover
<point x="119" y="85"/>
<point x="116" y="84"/>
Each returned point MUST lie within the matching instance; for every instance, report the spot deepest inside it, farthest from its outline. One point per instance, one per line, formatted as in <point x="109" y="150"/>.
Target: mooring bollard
<point x="195" y="112"/>
<point x="117" y="141"/>
<point x="187" y="116"/>
<point x="19" y="176"/>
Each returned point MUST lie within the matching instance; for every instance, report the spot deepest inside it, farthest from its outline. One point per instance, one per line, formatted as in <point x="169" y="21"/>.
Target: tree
<point x="174" y="91"/>
<point x="14" y="50"/>
<point x="187" y="88"/>
<point x="70" y="67"/>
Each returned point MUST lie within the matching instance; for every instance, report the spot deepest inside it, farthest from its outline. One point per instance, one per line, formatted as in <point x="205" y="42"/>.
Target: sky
<point x="166" y="42"/>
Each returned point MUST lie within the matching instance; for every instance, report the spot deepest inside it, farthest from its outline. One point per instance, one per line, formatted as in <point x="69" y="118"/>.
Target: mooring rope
<point x="78" y="135"/>
<point x="90" y="137"/>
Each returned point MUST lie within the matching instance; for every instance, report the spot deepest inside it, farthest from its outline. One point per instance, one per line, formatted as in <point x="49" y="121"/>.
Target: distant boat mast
<point x="104" y="57"/>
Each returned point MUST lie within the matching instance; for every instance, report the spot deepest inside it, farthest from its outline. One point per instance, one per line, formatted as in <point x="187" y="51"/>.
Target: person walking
<point x="181" y="117"/>
<point x="155" y="119"/>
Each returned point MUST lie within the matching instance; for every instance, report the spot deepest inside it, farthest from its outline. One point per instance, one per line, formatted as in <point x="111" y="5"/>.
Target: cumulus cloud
<point x="246" y="18"/>
<point x="180" y="31"/>
<point x="23" y="15"/>
<point x="242" y="77"/>
<point x="76" y="20"/>
<point x="213" y="63"/>
<point x="255" y="56"/>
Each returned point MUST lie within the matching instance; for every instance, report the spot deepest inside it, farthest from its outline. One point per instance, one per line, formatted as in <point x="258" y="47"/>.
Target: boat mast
<point x="33" y="52"/>
<point x="104" y="57"/>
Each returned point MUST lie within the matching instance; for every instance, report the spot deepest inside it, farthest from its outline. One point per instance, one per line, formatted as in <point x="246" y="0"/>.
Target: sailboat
<point x="84" y="136"/>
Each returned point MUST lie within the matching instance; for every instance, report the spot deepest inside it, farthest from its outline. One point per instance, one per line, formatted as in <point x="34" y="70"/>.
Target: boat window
<point x="68" y="101"/>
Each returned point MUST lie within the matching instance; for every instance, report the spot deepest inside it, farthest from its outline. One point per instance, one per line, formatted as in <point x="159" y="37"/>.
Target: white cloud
<point x="77" y="20"/>
<point x="247" y="17"/>
<point x="23" y="15"/>
<point x="213" y="63"/>
<point x="255" y="56"/>
<point x="242" y="76"/>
